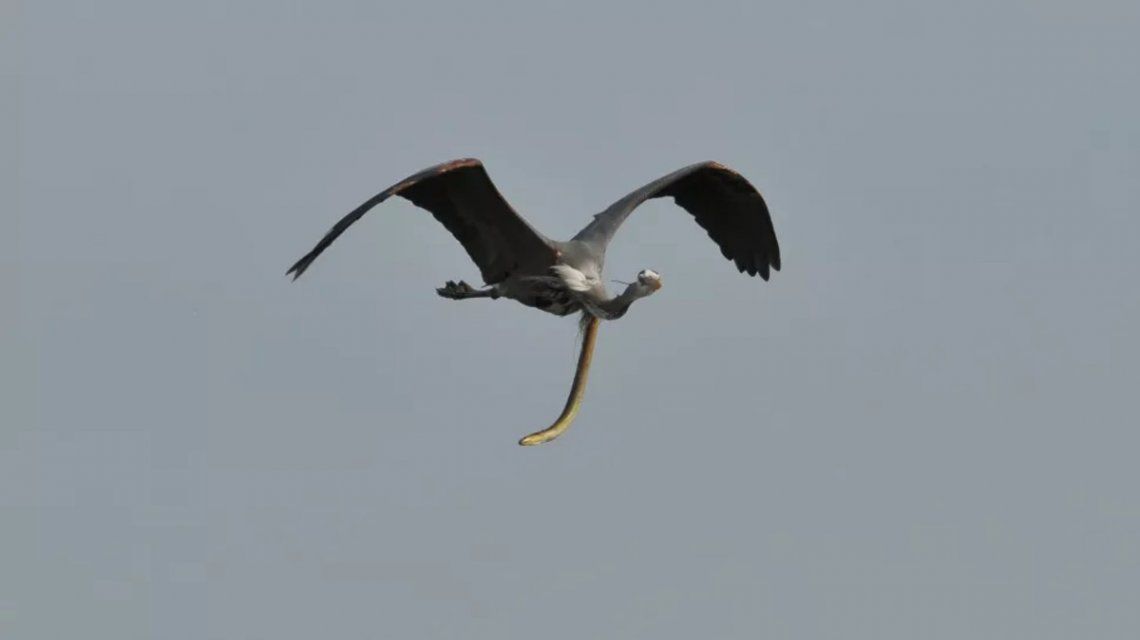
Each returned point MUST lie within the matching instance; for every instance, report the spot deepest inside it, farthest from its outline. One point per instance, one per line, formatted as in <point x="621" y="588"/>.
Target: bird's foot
<point x="457" y="290"/>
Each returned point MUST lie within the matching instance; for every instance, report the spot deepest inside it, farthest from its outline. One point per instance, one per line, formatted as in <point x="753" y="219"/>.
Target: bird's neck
<point x="615" y="307"/>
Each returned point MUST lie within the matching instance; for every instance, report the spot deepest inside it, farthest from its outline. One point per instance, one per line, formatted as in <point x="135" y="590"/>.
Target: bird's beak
<point x="655" y="284"/>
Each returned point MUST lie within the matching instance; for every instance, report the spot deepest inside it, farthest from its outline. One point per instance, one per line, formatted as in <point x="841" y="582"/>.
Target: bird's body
<point x="564" y="277"/>
<point x="572" y="283"/>
<point x="556" y="288"/>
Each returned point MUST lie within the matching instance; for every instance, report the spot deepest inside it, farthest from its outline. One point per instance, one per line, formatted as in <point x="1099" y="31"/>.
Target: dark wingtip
<point x="297" y="269"/>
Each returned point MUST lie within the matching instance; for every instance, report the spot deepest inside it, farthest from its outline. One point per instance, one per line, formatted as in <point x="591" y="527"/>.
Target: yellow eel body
<point x="577" y="391"/>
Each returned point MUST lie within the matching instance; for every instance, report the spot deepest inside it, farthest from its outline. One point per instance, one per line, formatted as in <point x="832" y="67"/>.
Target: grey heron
<point x="519" y="263"/>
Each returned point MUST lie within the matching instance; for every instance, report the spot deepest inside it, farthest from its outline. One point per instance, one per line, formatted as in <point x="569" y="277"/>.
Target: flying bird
<point x="519" y="263"/>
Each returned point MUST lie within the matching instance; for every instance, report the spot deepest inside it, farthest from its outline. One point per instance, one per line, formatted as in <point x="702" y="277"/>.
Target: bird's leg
<point x="461" y="291"/>
<point x="577" y="390"/>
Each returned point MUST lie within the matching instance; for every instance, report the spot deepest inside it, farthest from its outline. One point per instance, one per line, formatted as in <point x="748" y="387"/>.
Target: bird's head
<point x="648" y="282"/>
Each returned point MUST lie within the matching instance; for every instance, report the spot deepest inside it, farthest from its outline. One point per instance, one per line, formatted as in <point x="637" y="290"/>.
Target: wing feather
<point x="723" y="203"/>
<point x="460" y="195"/>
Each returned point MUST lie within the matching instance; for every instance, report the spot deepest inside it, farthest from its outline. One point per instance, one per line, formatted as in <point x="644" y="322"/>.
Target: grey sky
<point x="923" y="427"/>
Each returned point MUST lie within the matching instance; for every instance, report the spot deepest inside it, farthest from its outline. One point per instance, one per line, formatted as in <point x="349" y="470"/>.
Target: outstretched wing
<point x="460" y="195"/>
<point x="721" y="200"/>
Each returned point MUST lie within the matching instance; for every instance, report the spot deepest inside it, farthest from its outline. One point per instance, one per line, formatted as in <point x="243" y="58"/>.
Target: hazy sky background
<point x="924" y="427"/>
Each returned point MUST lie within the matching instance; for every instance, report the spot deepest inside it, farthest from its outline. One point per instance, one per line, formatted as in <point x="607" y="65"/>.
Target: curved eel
<point x="577" y="390"/>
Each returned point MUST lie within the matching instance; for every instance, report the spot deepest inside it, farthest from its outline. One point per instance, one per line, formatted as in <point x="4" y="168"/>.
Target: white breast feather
<point x="574" y="279"/>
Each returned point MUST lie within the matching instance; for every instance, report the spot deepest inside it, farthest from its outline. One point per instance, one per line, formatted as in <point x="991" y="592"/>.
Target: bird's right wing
<point x="462" y="197"/>
<point x="721" y="200"/>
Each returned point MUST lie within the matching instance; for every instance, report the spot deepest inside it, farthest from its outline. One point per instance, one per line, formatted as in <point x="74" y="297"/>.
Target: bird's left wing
<point x="726" y="205"/>
<point x="462" y="197"/>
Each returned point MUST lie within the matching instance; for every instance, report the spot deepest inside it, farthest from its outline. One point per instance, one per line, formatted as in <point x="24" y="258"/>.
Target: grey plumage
<point x="721" y="201"/>
<point x="561" y="278"/>
<point x="516" y="260"/>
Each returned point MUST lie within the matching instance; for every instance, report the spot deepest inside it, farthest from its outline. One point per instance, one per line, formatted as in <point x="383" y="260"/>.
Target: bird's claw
<point x="455" y="290"/>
